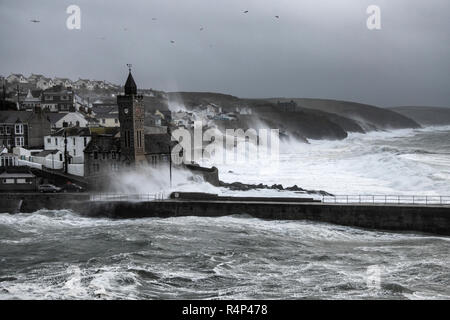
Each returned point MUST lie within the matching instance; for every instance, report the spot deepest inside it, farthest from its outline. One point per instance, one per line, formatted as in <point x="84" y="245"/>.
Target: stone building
<point x="58" y="99"/>
<point x="23" y="129"/>
<point x="129" y="145"/>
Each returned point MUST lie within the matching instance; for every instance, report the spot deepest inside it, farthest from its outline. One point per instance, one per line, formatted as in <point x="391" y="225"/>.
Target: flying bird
<point x="171" y="41"/>
<point x="246" y="11"/>
<point x="201" y="29"/>
<point x="35" y="21"/>
<point x="278" y="17"/>
<point x="154" y="19"/>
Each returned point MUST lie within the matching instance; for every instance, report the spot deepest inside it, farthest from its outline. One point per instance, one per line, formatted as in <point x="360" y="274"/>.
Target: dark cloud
<point x="317" y="48"/>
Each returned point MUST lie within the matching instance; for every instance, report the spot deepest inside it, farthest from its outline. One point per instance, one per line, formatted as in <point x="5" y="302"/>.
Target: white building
<point x="67" y="120"/>
<point x="77" y="140"/>
<point x="67" y="83"/>
<point x="44" y="83"/>
<point x="16" y="77"/>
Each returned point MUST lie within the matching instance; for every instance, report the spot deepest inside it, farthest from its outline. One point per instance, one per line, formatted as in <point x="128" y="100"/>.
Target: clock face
<point x="125" y="110"/>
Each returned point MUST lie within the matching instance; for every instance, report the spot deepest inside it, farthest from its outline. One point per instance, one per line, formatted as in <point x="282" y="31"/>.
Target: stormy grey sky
<point x="317" y="49"/>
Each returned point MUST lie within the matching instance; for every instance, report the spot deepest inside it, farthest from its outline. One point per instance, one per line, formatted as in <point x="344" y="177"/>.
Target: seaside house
<point x="23" y="128"/>
<point x="67" y="120"/>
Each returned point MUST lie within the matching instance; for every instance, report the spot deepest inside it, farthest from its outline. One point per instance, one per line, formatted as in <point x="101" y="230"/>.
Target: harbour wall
<point x="419" y="218"/>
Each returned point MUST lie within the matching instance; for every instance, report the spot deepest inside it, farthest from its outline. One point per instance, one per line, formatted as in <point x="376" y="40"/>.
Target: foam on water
<point x="61" y="255"/>
<point x="410" y="161"/>
<point x="213" y="258"/>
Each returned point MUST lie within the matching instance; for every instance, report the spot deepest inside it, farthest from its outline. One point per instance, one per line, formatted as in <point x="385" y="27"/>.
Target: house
<point x="51" y="159"/>
<point x="77" y="140"/>
<point x="44" y="83"/>
<point x="23" y="129"/>
<point x="58" y="99"/>
<point x="32" y="101"/>
<point x="16" y="78"/>
<point x="34" y="78"/>
<point x="67" y="120"/>
<point x="83" y="84"/>
<point x="8" y="160"/>
<point x="17" y="179"/>
<point x="67" y="83"/>
<point x="106" y="114"/>
<point x="81" y="104"/>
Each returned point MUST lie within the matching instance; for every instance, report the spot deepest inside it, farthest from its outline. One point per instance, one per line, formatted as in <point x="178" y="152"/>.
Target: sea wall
<point x="428" y="219"/>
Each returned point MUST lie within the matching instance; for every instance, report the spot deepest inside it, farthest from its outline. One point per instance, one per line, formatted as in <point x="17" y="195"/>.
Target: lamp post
<point x="65" y="151"/>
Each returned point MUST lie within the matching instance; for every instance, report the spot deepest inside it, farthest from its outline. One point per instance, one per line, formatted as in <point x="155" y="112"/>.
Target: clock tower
<point x="131" y="117"/>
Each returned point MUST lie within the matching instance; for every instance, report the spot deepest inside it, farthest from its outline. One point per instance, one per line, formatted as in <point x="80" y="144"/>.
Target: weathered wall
<point x="429" y="219"/>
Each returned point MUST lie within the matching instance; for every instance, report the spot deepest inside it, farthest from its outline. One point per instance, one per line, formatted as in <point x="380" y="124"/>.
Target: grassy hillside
<point x="368" y="117"/>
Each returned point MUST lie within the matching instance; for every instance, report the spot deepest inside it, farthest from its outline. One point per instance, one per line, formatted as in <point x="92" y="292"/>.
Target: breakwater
<point x="420" y="218"/>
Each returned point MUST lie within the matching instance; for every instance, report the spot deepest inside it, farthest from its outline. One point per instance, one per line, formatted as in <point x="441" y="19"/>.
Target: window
<point x="48" y="98"/>
<point x="56" y="141"/>
<point x="2" y="130"/>
<point x="21" y="181"/>
<point x="60" y="157"/>
<point x="49" y="140"/>
<point x="19" y="128"/>
<point x="19" y="141"/>
<point x="85" y="141"/>
<point x="8" y="130"/>
<point x="73" y="140"/>
<point x="74" y="152"/>
<point x="113" y="155"/>
<point x="8" y="181"/>
<point x="103" y="121"/>
<point x="116" y="121"/>
<point x="95" y="155"/>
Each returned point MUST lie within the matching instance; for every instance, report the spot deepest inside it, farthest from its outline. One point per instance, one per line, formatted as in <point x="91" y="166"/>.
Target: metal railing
<point x="337" y="199"/>
<point x="159" y="196"/>
<point x="388" y="199"/>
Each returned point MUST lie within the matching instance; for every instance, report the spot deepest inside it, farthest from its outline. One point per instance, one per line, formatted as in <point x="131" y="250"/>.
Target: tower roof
<point x="130" y="85"/>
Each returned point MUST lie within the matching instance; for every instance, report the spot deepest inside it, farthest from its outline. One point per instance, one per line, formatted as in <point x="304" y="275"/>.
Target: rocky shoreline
<point x="239" y="186"/>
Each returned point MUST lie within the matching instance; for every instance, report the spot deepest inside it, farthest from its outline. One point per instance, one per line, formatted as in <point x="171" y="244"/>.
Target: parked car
<point x="48" y="188"/>
<point x="72" y="187"/>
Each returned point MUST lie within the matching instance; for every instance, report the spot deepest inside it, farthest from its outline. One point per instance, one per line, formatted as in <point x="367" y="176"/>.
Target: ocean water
<point x="63" y="255"/>
<point x="60" y="255"/>
<point x="399" y="162"/>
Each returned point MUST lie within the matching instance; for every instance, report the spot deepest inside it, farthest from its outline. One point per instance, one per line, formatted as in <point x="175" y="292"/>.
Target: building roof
<point x="45" y="153"/>
<point x="16" y="175"/>
<point x="73" y="132"/>
<point x="130" y="85"/>
<point x="55" y="117"/>
<point x="103" y="143"/>
<point x="12" y="117"/>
